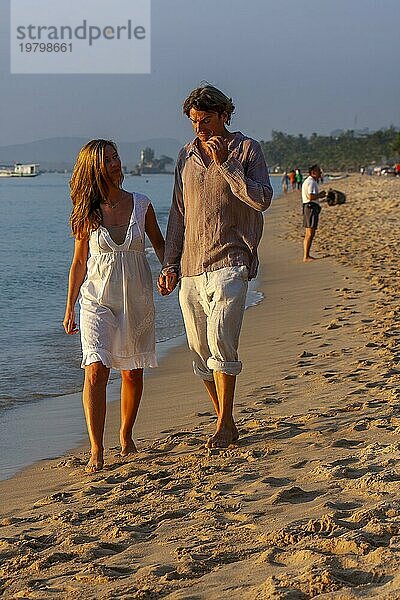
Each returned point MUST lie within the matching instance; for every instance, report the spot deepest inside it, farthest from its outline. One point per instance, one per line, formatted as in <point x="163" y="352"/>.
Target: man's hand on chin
<point x="219" y="149"/>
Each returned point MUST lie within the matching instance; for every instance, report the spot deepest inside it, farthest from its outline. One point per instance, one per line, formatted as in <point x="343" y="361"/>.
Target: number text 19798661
<point x="45" y="47"/>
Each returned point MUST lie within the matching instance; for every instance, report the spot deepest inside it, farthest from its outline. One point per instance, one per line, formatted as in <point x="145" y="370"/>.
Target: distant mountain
<point x="60" y="153"/>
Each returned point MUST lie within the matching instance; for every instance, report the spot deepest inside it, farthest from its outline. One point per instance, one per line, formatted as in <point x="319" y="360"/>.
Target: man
<point x="285" y="182"/>
<point x="215" y="225"/>
<point x="311" y="208"/>
<point x="298" y="179"/>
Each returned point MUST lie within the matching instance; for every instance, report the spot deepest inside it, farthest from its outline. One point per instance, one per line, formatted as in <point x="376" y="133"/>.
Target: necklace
<point x="111" y="205"/>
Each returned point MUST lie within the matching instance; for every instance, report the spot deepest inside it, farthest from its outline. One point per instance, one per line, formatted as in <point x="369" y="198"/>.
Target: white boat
<point x="337" y="177"/>
<point x="20" y="170"/>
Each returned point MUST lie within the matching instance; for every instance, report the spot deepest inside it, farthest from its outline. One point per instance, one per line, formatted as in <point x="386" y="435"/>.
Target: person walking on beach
<point x="292" y="179"/>
<point x="298" y="179"/>
<point x="110" y="271"/>
<point x="285" y="182"/>
<point x="311" y="208"/>
<point x="215" y="225"/>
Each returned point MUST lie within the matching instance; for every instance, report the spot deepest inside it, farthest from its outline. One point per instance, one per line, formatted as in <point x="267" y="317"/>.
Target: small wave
<point x="254" y="298"/>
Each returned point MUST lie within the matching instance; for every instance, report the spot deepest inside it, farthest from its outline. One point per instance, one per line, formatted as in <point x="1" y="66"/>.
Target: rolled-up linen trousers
<point x="213" y="305"/>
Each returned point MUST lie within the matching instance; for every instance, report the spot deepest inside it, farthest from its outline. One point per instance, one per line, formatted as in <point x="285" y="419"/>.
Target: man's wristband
<point x="169" y="270"/>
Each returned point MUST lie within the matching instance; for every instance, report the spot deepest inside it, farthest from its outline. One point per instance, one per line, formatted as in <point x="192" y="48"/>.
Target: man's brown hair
<point x="209" y="99"/>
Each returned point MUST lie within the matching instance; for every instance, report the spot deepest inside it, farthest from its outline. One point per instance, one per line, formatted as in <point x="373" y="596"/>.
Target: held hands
<point x="219" y="149"/>
<point x="69" y="322"/>
<point x="167" y="283"/>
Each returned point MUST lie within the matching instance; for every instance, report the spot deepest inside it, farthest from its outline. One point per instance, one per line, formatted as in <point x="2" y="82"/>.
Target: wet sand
<point x="306" y="505"/>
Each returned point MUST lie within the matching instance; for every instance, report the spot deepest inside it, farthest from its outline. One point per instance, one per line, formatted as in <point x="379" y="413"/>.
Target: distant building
<point x="146" y="157"/>
<point x="148" y="164"/>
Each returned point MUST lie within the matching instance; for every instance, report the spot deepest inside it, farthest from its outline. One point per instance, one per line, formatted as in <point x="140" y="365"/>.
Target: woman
<point x="110" y="270"/>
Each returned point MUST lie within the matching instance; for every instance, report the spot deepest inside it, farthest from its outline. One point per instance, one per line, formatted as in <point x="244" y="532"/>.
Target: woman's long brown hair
<point x="89" y="185"/>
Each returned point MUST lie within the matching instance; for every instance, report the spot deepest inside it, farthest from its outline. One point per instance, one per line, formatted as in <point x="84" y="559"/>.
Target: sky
<point x="298" y="66"/>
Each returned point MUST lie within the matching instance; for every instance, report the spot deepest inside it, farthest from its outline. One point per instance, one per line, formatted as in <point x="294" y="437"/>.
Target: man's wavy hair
<point x="89" y="185"/>
<point x="313" y="168"/>
<point x="209" y="99"/>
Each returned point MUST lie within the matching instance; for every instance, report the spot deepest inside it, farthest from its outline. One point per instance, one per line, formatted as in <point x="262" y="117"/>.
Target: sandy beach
<point x="307" y="505"/>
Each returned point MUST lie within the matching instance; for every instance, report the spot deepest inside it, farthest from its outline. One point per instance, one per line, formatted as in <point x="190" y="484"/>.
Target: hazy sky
<point x="289" y="65"/>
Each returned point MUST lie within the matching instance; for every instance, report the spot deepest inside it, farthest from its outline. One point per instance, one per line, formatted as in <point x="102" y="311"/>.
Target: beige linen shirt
<point x="216" y="216"/>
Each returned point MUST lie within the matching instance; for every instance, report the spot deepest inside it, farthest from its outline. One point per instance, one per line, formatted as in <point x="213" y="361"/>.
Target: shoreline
<point x="76" y="440"/>
<point x="55" y="425"/>
<point x="56" y="422"/>
<point x="25" y="437"/>
<point x="310" y="493"/>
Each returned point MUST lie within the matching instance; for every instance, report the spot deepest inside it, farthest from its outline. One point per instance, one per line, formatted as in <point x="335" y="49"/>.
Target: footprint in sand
<point x="277" y="481"/>
<point x="249" y="411"/>
<point x="267" y="401"/>
<point x="344" y="443"/>
<point x="305" y="354"/>
<point x="158" y="475"/>
<point x="93" y="490"/>
<point x="72" y="462"/>
<point x="304" y="363"/>
<point x="333" y="325"/>
<point x="113" y="479"/>
<point x="294" y="495"/>
<point x="299" y="465"/>
<point x="63" y="497"/>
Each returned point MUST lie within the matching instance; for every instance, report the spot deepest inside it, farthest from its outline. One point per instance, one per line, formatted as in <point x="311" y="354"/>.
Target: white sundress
<point x="116" y="303"/>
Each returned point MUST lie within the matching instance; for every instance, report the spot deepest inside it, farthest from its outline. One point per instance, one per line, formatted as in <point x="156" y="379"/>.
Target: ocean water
<point x="35" y="255"/>
<point x="40" y="363"/>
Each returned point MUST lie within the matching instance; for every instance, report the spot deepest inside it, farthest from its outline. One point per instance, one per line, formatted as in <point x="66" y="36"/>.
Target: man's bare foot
<point x="309" y="258"/>
<point x="128" y="448"/>
<point x="222" y="438"/>
<point x="96" y="462"/>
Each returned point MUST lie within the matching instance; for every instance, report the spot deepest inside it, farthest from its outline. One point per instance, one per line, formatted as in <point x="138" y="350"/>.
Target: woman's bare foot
<point x="309" y="258"/>
<point x="128" y="447"/>
<point x="96" y="462"/>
